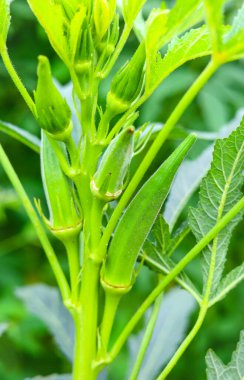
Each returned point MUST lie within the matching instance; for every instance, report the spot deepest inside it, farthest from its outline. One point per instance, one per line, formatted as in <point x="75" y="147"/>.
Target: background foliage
<point x="26" y="348"/>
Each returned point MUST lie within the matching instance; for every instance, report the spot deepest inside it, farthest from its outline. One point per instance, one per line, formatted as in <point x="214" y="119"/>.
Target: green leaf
<point x="191" y="172"/>
<point x="215" y="19"/>
<point x="182" y="16"/>
<point x="191" y="45"/>
<point x="4" y="21"/>
<point x="216" y="370"/>
<point x="160" y="235"/>
<point x="46" y="304"/>
<point x="159" y="246"/>
<point x="140" y="216"/>
<point x="51" y="16"/>
<point x="234" y="39"/>
<point x="155" y="28"/>
<point x="177" y="237"/>
<point x="21" y="135"/>
<point x="229" y="282"/>
<point x="164" y="25"/>
<point x="219" y="191"/>
<point x="131" y="8"/>
<point x="237" y="25"/>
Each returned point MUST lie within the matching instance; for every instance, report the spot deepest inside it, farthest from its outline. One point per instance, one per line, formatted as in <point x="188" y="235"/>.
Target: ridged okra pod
<point x="137" y="221"/>
<point x="64" y="214"/>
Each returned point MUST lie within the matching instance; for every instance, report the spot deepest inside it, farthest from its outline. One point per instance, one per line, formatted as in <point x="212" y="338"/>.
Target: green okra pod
<point x="64" y="216"/>
<point x="138" y="220"/>
<point x="108" y="181"/>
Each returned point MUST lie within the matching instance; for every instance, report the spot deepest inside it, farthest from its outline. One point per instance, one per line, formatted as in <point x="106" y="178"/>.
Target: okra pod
<point x="137" y="221"/>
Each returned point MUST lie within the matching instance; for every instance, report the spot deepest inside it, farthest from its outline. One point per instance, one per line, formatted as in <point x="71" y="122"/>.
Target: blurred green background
<point x="27" y="349"/>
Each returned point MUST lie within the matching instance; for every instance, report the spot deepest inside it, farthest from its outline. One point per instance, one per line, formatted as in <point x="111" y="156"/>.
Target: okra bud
<point x="85" y="52"/>
<point x="53" y="112"/>
<point x="127" y="84"/>
<point x="64" y="218"/>
<point x="108" y="181"/>
<point x="104" y="11"/>
<point x="137" y="221"/>
<point x="84" y="60"/>
<point x="106" y="46"/>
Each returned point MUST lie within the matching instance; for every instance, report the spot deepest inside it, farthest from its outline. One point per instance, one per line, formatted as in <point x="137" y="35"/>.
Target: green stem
<point x="57" y="270"/>
<point x="96" y="222"/>
<point x="177" y="269"/>
<point x="185" y="344"/>
<point x="111" y="305"/>
<point x="87" y="326"/>
<point x="161" y="138"/>
<point x="200" y="319"/>
<point x="17" y="81"/>
<point x="72" y="249"/>
<point x="146" y="339"/>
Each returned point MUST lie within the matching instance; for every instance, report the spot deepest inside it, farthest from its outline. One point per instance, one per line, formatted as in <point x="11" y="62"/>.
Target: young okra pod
<point x="53" y="112"/>
<point x="65" y="220"/>
<point x="137" y="221"/>
<point x="108" y="181"/>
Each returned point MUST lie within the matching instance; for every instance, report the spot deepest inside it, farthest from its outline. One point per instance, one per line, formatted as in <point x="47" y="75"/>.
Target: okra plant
<point x="110" y="219"/>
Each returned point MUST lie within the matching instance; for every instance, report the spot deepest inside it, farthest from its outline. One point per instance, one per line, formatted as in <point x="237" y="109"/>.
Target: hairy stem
<point x="17" y="81"/>
<point x="57" y="270"/>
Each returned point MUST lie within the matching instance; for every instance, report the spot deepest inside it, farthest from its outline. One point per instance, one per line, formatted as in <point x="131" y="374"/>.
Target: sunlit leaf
<point x="182" y="16"/>
<point x="191" y="45"/>
<point x="131" y="8"/>
<point x="51" y="16"/>
<point x="215" y="19"/>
